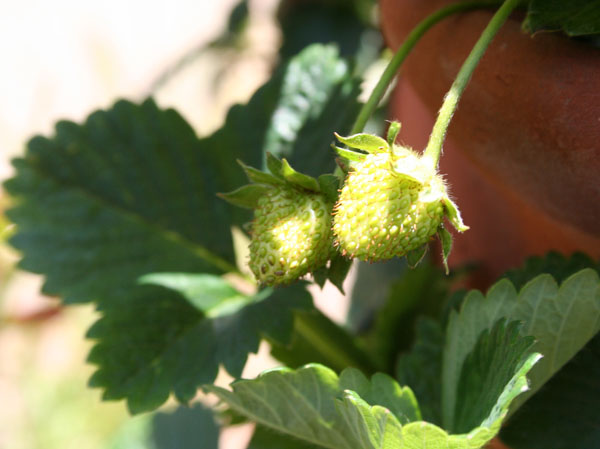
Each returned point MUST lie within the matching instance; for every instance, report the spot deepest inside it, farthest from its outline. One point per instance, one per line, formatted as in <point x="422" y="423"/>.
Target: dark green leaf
<point x="331" y="21"/>
<point x="317" y="339"/>
<point x="238" y="17"/>
<point x="497" y="355"/>
<point x="318" y="97"/>
<point x="366" y="142"/>
<point x="129" y="192"/>
<point x="564" y="413"/>
<point x="293" y="115"/>
<point x="574" y="17"/>
<point x="160" y="344"/>
<point x="185" y="428"/>
<point x="417" y="293"/>
<point x="554" y="264"/>
<point x="421" y="368"/>
<point x="297" y="178"/>
<point x="246" y="196"/>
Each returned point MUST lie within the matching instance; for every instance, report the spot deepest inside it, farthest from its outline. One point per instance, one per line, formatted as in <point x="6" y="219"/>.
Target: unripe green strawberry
<point x="291" y="235"/>
<point x="392" y="203"/>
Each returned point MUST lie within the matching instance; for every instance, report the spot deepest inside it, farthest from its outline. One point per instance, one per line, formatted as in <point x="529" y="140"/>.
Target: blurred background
<point x="64" y="59"/>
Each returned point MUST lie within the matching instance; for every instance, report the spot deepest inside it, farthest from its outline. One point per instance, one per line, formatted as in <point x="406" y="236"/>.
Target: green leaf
<point x="383" y="391"/>
<point x="264" y="438"/>
<point x="304" y="403"/>
<point x="421" y="368"/>
<point x="210" y="294"/>
<point x="574" y="17"/>
<point x="498" y="354"/>
<point x="366" y="142"/>
<point x="314" y="405"/>
<point x="297" y="178"/>
<point x="129" y="192"/>
<point x="185" y="428"/>
<point x="317" y="97"/>
<point x="563" y="414"/>
<point x="562" y="320"/>
<point x="161" y="344"/>
<point x="293" y="115"/>
<point x="246" y="196"/>
<point x="446" y="241"/>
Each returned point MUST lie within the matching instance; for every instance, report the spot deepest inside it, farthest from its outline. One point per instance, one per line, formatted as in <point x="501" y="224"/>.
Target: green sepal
<point x="446" y="241"/>
<point x="297" y="178"/>
<point x="274" y="165"/>
<point x="367" y="142"/>
<point x="414" y="257"/>
<point x="329" y="186"/>
<point x="352" y="156"/>
<point x="258" y="176"/>
<point x="407" y="177"/>
<point x="246" y="196"/>
<point x="392" y="133"/>
<point x="320" y="276"/>
<point x="453" y="215"/>
<point x="338" y="270"/>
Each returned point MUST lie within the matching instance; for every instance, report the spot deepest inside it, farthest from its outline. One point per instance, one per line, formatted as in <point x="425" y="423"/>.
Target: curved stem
<point x="438" y="134"/>
<point x="401" y="54"/>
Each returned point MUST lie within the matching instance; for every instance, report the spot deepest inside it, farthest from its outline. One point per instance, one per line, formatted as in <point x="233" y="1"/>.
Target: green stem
<point x="401" y="54"/>
<point x="438" y="134"/>
<point x="331" y="342"/>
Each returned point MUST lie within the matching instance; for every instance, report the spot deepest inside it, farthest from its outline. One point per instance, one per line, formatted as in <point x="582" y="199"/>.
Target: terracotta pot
<point x="523" y="151"/>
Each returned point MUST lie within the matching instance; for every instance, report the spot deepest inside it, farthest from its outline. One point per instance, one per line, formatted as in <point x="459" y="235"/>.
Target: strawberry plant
<point x="133" y="212"/>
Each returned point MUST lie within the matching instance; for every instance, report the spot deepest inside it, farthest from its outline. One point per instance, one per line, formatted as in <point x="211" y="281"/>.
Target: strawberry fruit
<point x="291" y="231"/>
<point x="392" y="203"/>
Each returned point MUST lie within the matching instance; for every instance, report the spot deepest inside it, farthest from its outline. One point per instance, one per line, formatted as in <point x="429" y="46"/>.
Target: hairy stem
<point x="438" y="134"/>
<point x="392" y="68"/>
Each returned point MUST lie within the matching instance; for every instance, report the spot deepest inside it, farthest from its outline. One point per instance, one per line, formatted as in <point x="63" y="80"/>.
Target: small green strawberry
<point x="291" y="231"/>
<point x="392" y="201"/>
<point x="291" y="235"/>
